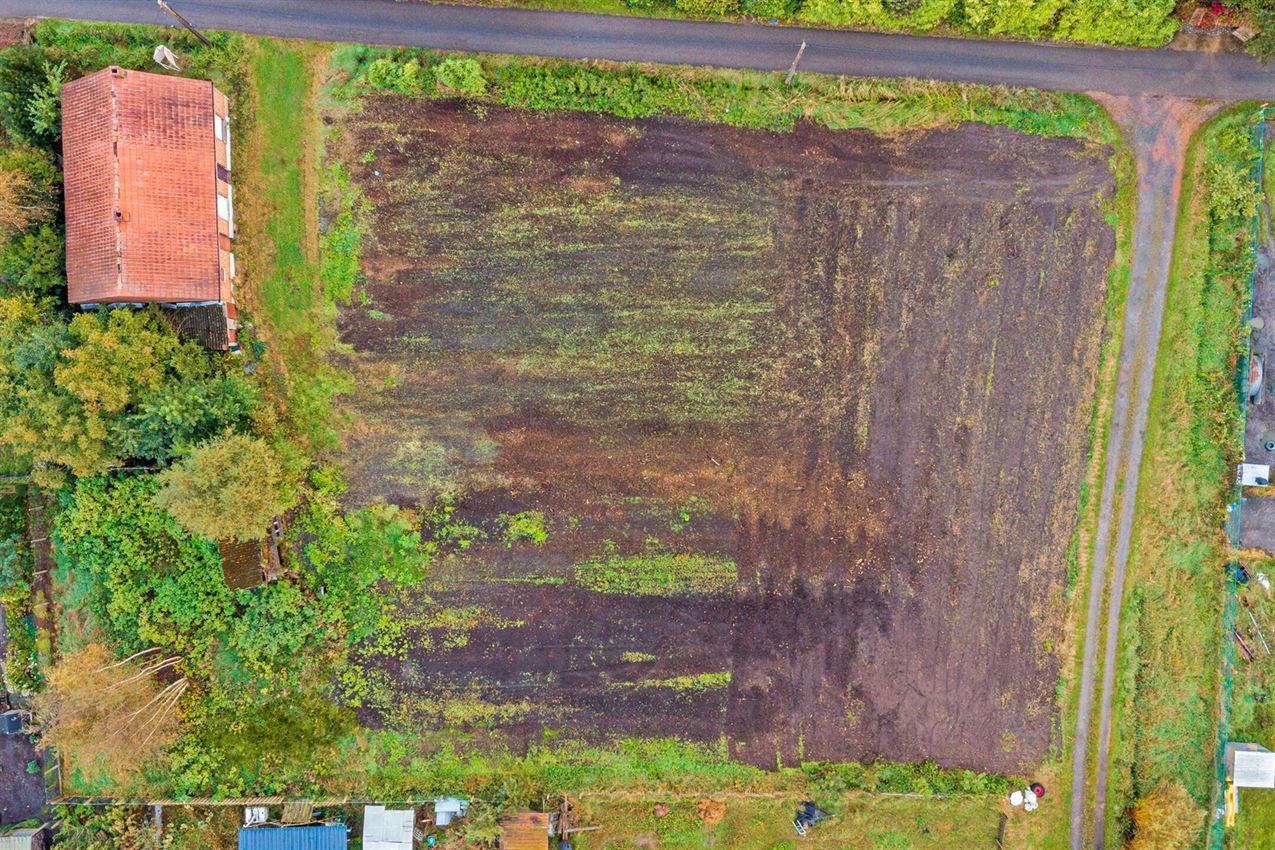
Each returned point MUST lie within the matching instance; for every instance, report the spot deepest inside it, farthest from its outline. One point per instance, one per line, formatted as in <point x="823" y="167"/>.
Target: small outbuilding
<point x="1250" y="765"/>
<point x="313" y="837"/>
<point x="26" y="838"/>
<point x="388" y="829"/>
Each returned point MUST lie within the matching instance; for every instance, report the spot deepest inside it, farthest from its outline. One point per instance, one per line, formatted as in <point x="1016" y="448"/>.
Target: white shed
<point x="1254" y="769"/>
<point x="19" y="839"/>
<point x="387" y="829"/>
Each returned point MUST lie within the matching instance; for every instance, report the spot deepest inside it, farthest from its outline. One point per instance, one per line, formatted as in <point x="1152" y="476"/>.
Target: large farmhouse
<point x="149" y="208"/>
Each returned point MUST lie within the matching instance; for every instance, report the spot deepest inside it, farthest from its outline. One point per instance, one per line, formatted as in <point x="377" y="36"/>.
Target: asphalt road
<point x="1218" y="76"/>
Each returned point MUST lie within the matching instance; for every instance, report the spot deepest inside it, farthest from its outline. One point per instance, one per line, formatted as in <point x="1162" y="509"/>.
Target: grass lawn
<point x="866" y="821"/>
<point x="279" y="187"/>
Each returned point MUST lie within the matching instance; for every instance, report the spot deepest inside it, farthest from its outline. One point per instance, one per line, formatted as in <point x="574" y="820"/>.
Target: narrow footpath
<point x="1160" y="129"/>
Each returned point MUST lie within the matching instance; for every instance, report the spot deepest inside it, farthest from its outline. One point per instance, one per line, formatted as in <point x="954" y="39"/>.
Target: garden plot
<point x="768" y="438"/>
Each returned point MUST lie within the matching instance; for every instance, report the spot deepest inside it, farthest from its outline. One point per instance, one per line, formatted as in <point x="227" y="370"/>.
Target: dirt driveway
<point x="804" y="416"/>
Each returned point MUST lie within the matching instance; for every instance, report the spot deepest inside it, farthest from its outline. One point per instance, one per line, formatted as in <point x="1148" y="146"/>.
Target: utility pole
<point x="196" y="33"/>
<point x="792" y="71"/>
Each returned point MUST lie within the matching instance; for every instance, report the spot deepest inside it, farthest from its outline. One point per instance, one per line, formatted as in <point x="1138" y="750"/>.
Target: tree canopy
<point x="228" y="488"/>
<point x="110" y="385"/>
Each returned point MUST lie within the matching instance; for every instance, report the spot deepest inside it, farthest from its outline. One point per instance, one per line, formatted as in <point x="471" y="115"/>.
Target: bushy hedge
<point x="1128" y="22"/>
<point x="738" y="98"/>
<point x="21" y="664"/>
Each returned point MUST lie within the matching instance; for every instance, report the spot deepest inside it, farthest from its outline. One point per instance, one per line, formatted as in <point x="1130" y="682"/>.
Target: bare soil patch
<point x="851" y="373"/>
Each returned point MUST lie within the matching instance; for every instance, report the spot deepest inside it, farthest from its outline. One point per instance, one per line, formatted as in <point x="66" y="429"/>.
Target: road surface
<point x="1219" y="76"/>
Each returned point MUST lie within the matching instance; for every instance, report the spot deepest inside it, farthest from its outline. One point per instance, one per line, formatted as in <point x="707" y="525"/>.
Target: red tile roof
<point x="141" y="189"/>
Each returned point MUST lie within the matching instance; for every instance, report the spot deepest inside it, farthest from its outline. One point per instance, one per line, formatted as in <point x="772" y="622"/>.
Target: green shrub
<point x="35" y="262"/>
<point x="707" y="8"/>
<point x="461" y="76"/>
<point x="769" y="8"/>
<point x="1012" y="17"/>
<point x="1232" y="192"/>
<point x="409" y="78"/>
<point x="530" y="526"/>
<point x="44" y="107"/>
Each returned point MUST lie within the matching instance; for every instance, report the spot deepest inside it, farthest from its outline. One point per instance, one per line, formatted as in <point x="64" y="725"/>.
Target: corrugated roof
<point x="141" y="188"/>
<point x="321" y="837"/>
<point x="525" y="831"/>
<point x="19" y="839"/>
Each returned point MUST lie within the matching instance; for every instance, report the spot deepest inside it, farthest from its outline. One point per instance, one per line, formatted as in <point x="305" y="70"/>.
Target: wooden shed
<point x="525" y="831"/>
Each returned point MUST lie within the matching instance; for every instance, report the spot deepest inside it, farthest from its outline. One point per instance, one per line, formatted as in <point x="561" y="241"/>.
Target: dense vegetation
<point x="156" y="448"/>
<point x="739" y="98"/>
<point x="1130" y="22"/>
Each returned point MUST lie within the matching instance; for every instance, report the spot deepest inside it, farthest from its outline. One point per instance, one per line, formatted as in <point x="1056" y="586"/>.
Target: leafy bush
<point x="902" y="778"/>
<point x="769" y="8"/>
<point x="707" y="8"/>
<point x="146" y="581"/>
<point x="35" y="262"/>
<point x="461" y="76"/>
<point x="527" y="525"/>
<point x="409" y="78"/>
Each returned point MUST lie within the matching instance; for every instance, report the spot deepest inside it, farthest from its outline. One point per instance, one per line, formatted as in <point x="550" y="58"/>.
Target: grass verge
<point x="737" y="98"/>
<point x="280" y="185"/>
<point x="1167" y="669"/>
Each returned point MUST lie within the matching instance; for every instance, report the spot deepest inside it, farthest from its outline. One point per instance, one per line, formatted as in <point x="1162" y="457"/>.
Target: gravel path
<point x="1160" y="130"/>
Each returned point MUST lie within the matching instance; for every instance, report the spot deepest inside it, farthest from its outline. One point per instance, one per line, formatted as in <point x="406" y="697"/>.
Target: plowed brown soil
<point x="858" y="369"/>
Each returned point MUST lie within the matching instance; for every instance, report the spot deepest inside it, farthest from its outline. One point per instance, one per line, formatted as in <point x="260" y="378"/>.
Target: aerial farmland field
<point x="775" y="439"/>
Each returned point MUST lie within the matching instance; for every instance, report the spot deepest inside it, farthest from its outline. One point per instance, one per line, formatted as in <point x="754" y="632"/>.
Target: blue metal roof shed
<point x="318" y="837"/>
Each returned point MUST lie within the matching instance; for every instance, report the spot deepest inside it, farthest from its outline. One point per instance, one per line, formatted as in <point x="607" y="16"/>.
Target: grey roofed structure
<point x="388" y="829"/>
<point x="1250" y="765"/>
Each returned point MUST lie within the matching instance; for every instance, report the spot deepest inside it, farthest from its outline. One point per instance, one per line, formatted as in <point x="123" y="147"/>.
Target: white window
<point x="232" y="265"/>
<point x="217" y="128"/>
<point x="223" y="208"/>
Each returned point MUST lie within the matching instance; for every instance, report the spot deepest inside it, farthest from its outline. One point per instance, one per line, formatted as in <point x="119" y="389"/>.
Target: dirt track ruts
<point x="1160" y="129"/>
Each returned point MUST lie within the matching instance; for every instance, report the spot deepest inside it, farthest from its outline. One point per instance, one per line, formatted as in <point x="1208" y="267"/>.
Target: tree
<point x="170" y="421"/>
<point x="30" y="189"/>
<point x="110" y="385"/>
<point x="1166" y="819"/>
<point x="229" y="487"/>
<point x="109" y="716"/>
<point x="35" y="261"/>
<point x="22" y="74"/>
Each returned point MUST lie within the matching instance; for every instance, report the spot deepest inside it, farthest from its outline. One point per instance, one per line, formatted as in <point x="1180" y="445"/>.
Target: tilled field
<point x="771" y="437"/>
